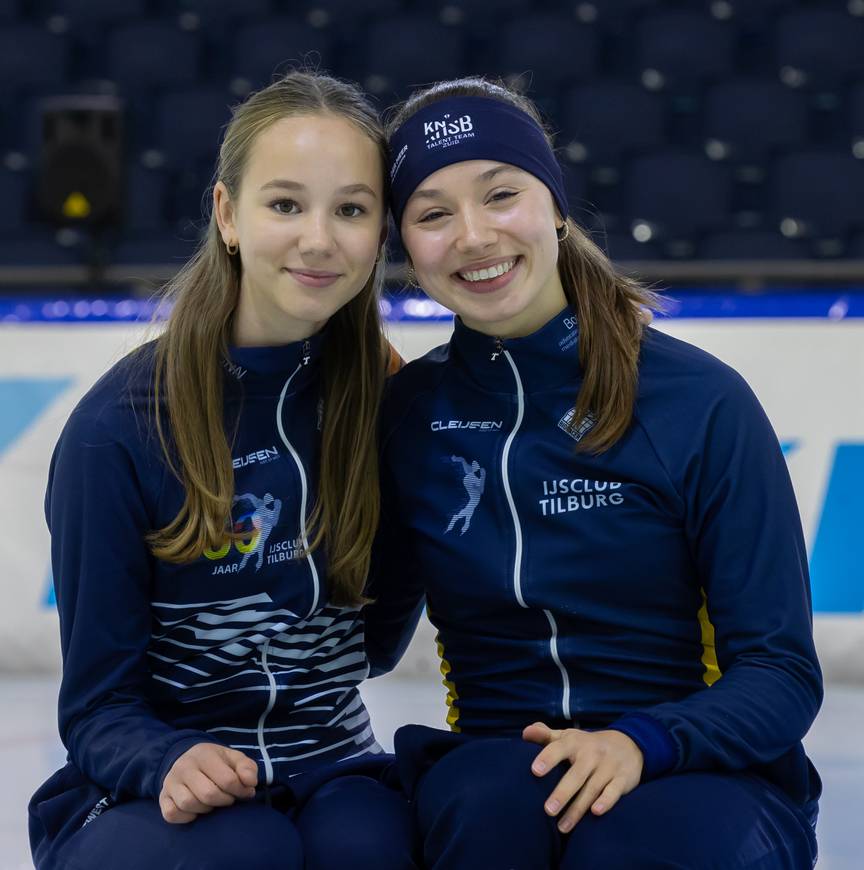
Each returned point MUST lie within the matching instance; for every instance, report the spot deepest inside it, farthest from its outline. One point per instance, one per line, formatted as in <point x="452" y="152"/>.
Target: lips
<point x="313" y="277"/>
<point x="488" y="276"/>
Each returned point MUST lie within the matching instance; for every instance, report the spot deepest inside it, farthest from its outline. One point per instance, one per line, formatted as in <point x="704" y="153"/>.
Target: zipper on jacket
<point x="271" y="701"/>
<point x="304" y="486"/>
<point x="517" y="526"/>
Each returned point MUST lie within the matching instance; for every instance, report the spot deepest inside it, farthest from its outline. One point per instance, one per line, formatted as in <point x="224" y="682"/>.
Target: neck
<point x="254" y="327"/>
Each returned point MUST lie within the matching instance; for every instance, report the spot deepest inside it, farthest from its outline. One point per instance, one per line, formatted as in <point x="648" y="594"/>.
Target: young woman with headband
<point x="603" y="524"/>
<point x="210" y="541"/>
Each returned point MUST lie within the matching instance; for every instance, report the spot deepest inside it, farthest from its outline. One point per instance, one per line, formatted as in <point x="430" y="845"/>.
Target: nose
<point x="316" y="237"/>
<point x="475" y="232"/>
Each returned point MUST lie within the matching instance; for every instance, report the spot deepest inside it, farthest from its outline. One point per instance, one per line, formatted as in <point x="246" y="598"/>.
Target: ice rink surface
<point x="30" y="751"/>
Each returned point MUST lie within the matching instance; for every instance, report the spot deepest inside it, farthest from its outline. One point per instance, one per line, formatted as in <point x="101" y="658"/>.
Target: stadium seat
<point x="408" y="50"/>
<point x="759" y="245"/>
<point x="856" y="119"/>
<point x="15" y="196"/>
<point x="31" y="57"/>
<point x="218" y="12"/>
<point x="83" y="13"/>
<point x="678" y="48"/>
<point x="38" y="246"/>
<point x="602" y="120"/>
<point x="152" y="54"/>
<point x="264" y="48"/>
<point x="747" y="118"/>
<point x="543" y="51"/>
<point x="818" y="193"/>
<point x="678" y="193"/>
<point x="750" y="15"/>
<point x="146" y="198"/>
<point x="188" y="126"/>
<point x="167" y="248"/>
<point x="622" y="247"/>
<point x="819" y="47"/>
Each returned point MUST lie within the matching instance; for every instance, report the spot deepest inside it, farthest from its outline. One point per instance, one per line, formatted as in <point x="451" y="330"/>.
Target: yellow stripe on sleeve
<point x="709" y="653"/>
<point x="452" y="694"/>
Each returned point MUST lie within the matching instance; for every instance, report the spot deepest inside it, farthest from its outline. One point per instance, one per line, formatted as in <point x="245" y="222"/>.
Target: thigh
<point x="134" y="836"/>
<point x="358" y="822"/>
<point x="695" y="821"/>
<point x="480" y="806"/>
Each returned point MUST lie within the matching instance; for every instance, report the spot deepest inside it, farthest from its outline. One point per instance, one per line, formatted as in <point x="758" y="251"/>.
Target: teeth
<point x="491" y="272"/>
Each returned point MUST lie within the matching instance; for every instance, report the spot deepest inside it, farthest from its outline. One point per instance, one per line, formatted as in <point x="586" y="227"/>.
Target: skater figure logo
<point x="474" y="481"/>
<point x="254" y="518"/>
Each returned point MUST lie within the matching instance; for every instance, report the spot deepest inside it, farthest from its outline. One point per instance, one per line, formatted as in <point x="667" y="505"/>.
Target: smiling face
<point x="308" y="220"/>
<point x="482" y="239"/>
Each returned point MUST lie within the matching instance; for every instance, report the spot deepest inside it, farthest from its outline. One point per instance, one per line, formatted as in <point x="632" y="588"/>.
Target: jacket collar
<point x="265" y="369"/>
<point x="544" y="359"/>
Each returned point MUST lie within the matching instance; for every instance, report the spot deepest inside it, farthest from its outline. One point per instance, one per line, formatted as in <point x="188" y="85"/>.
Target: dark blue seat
<point x="152" y="54"/>
<point x="758" y="245"/>
<point x="218" y="12"/>
<point x="264" y="48"/>
<point x="855" y="249"/>
<point x="622" y="247"/>
<point x="166" y="248"/>
<point x="83" y="13"/>
<point x="678" y="193"/>
<point x="543" y="51"/>
<point x="31" y="57"/>
<point x="820" y="191"/>
<point x="40" y="246"/>
<point x="15" y="194"/>
<point x="189" y="125"/>
<point x="747" y="118"/>
<point x="856" y="119"/>
<point x="819" y="47"/>
<point x="677" y="49"/>
<point x="9" y="10"/>
<point x="146" y="199"/>
<point x="750" y="15"/>
<point x="602" y="120"/>
<point x="408" y="50"/>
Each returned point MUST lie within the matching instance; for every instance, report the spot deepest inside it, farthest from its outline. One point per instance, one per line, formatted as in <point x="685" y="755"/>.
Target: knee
<point x="260" y="839"/>
<point x="375" y="827"/>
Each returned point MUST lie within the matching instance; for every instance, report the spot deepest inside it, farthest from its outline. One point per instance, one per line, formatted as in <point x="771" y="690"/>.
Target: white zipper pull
<point x="499" y="349"/>
<point x="307" y="351"/>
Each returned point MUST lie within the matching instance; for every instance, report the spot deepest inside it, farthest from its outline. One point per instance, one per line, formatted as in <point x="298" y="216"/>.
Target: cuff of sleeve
<point x="659" y="751"/>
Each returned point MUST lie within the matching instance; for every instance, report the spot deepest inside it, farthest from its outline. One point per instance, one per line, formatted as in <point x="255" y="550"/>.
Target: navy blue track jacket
<point x="660" y="587"/>
<point x="239" y="647"/>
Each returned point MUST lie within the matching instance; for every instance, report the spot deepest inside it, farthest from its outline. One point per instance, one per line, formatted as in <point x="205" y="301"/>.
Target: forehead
<point x="320" y="146"/>
<point x="451" y="179"/>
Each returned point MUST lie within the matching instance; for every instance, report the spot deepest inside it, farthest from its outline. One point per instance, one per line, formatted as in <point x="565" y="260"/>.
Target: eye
<point x="501" y="195"/>
<point x="351" y="210"/>
<point x="430" y="216"/>
<point x="285" y="206"/>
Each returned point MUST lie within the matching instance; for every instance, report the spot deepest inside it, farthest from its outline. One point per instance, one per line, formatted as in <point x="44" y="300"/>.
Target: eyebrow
<point x="285" y="184"/>
<point x="488" y="175"/>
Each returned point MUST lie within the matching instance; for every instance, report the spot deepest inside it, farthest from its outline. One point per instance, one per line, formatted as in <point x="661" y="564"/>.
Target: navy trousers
<point x="352" y="820"/>
<point x="479" y="805"/>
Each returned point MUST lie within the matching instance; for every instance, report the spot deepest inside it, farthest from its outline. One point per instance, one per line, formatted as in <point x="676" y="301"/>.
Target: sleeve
<point x="394" y="586"/>
<point x="745" y="535"/>
<point x="102" y="570"/>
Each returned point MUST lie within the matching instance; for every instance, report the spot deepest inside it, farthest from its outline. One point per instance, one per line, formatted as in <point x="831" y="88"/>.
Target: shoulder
<point x="116" y="407"/>
<point x="413" y="381"/>
<point x="685" y="374"/>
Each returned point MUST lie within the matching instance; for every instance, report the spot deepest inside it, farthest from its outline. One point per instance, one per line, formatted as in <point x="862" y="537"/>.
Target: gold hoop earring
<point x="232" y="249"/>
<point x="411" y="275"/>
<point x="566" y="228"/>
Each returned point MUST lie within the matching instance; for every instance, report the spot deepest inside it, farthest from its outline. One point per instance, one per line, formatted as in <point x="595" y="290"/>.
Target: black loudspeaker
<point x="80" y="177"/>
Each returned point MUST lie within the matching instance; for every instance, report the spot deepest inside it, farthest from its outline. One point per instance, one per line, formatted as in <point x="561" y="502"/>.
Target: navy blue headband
<point x="469" y="128"/>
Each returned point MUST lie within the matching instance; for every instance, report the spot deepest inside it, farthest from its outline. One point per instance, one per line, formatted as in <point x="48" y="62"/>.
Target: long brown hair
<point x="188" y="385"/>
<point x="607" y="303"/>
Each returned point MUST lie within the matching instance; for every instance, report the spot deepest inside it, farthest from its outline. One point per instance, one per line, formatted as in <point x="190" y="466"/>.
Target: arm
<point x="745" y="535"/>
<point x="394" y="586"/>
<point x="102" y="569"/>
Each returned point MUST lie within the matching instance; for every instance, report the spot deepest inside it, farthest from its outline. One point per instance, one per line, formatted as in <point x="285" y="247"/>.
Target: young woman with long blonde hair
<point x="212" y="501"/>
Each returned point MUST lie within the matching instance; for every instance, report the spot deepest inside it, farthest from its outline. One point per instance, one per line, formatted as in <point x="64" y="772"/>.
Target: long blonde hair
<point x="607" y="303"/>
<point x="187" y="394"/>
